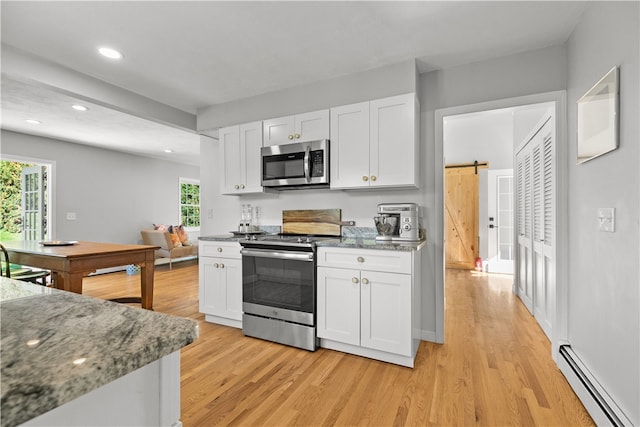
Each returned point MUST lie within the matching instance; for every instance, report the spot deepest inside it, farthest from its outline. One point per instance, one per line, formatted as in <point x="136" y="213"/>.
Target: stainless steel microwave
<point x="296" y="165"/>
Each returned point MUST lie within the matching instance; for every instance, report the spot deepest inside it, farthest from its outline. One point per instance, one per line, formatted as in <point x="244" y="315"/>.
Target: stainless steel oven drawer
<point x="280" y="331"/>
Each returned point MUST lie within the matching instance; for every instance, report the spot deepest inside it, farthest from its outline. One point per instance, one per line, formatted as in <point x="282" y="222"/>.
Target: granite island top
<point x="57" y="346"/>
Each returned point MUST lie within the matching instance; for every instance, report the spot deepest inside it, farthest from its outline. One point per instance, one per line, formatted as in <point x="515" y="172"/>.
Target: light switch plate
<point x="71" y="216"/>
<point x="607" y="219"/>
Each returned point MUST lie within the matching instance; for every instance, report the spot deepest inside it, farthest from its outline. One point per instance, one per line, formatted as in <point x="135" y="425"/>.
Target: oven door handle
<point x="295" y="256"/>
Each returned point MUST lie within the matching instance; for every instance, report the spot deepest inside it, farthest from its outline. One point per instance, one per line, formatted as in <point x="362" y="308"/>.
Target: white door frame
<point x="505" y="267"/>
<point x="51" y="189"/>
<point x="559" y="99"/>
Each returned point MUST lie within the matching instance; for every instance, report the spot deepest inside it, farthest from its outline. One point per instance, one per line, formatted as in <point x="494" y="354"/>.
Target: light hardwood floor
<point x="495" y="368"/>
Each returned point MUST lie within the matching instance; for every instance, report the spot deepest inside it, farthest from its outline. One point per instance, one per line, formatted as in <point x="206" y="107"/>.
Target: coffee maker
<point x="398" y="222"/>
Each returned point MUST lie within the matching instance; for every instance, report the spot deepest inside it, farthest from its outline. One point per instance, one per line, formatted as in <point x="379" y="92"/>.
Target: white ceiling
<point x="191" y="55"/>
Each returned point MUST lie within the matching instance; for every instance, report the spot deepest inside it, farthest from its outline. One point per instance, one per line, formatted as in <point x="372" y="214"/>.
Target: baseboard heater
<point x="590" y="384"/>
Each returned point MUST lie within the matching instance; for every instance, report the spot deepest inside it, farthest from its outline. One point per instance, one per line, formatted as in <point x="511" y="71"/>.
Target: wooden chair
<point x="26" y="274"/>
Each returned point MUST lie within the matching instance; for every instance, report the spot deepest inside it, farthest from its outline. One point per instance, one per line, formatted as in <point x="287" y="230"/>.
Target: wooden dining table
<point x="71" y="262"/>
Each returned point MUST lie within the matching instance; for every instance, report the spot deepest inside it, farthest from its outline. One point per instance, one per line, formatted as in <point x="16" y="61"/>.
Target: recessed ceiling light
<point x="79" y="107"/>
<point x="168" y="150"/>
<point x="110" y="53"/>
<point x="33" y="122"/>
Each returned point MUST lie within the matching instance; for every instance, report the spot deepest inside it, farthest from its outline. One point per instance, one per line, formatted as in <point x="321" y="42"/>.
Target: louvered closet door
<point x="525" y="274"/>
<point x="543" y="215"/>
<point x="536" y="227"/>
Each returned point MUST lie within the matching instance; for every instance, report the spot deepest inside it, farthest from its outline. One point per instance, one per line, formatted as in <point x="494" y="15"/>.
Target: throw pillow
<point x="160" y="227"/>
<point x="183" y="235"/>
<point x="175" y="239"/>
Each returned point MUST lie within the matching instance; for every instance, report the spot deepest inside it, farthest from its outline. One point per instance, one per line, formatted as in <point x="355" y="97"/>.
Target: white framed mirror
<point x="598" y="118"/>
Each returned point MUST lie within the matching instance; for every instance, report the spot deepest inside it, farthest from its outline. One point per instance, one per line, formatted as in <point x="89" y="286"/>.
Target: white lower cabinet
<point x="365" y="310"/>
<point x="220" y="277"/>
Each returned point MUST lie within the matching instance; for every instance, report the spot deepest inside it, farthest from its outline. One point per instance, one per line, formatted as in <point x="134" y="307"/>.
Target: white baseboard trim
<point x="158" y="261"/>
<point x="428" y="336"/>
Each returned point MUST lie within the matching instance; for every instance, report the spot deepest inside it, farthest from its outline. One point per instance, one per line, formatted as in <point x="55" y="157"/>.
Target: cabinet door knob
<point x="365" y="178"/>
<point x="290" y="136"/>
<point x="373" y="178"/>
<point x="242" y="186"/>
<point x="354" y="280"/>
<point x="215" y="265"/>
<point x="236" y="186"/>
<point x="360" y="259"/>
<point x="221" y="265"/>
<point x="297" y="135"/>
<point x="365" y="281"/>
<point x="219" y="249"/>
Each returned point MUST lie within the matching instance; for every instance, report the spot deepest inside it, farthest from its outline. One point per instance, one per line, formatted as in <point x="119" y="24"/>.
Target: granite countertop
<point x="371" y="243"/>
<point x="57" y="346"/>
<point x="222" y="238"/>
<point x="352" y="237"/>
<point x="344" y="242"/>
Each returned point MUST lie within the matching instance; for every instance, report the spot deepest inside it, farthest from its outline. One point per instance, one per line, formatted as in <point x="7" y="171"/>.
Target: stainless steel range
<point x="279" y="288"/>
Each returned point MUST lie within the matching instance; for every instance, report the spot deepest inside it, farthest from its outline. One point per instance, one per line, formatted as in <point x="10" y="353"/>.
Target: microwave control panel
<point x="317" y="163"/>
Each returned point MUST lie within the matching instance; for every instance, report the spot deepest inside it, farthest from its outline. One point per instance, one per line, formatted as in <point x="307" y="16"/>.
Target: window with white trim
<point x="190" y="203"/>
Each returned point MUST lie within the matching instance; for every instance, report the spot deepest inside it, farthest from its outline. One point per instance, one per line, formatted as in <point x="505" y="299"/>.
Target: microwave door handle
<point x="307" y="172"/>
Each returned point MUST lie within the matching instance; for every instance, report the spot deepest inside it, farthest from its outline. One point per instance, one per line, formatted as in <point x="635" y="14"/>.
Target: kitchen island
<point x="68" y="359"/>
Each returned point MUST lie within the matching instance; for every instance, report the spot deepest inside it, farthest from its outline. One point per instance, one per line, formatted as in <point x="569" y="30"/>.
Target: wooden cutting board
<point x="312" y="221"/>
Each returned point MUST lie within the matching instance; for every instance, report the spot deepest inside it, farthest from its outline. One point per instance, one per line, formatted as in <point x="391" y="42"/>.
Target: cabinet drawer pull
<point x="365" y="281"/>
<point x="360" y="259"/>
<point x="354" y="280"/>
<point x="215" y="265"/>
<point x="290" y="136"/>
<point x="373" y="178"/>
<point x="219" y="249"/>
<point x="365" y="178"/>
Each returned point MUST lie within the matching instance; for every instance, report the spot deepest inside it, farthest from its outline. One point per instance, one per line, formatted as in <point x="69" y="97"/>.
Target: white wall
<point x="372" y="84"/>
<point x="113" y="194"/>
<point x="520" y="75"/>
<point x="482" y="137"/>
<point x="603" y="306"/>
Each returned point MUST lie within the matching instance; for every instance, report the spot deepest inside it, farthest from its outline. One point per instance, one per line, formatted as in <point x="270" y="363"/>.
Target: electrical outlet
<point x="607" y="219"/>
<point x="71" y="216"/>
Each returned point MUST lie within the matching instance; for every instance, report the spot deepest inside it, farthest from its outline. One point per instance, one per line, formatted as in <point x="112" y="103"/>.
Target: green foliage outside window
<point x="190" y="204"/>
<point x="10" y="199"/>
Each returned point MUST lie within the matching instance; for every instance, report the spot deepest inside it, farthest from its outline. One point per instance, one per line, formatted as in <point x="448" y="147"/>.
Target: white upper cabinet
<point x="240" y="161"/>
<point x="375" y="144"/>
<point x="393" y="141"/>
<point x="299" y="128"/>
<point x="349" y="146"/>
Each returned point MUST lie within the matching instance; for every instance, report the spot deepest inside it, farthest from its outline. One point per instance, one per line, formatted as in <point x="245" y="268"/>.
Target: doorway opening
<point x="526" y="109"/>
<point x="26" y="203"/>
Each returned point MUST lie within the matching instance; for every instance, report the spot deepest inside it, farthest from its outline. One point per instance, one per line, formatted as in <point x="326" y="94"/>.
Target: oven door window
<point x="278" y="283"/>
